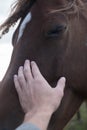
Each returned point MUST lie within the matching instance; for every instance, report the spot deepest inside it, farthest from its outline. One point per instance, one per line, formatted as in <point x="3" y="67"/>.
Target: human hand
<point x="34" y="92"/>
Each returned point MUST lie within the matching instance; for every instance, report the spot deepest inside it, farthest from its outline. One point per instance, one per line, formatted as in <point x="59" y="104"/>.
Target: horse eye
<point x="55" y="31"/>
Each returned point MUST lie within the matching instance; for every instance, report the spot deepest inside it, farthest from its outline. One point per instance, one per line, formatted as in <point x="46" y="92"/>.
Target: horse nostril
<point x="55" y="31"/>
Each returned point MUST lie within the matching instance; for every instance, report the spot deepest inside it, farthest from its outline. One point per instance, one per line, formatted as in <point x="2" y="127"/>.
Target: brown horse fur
<point x="56" y="38"/>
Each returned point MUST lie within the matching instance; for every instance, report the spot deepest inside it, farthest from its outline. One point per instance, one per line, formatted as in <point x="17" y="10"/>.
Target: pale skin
<point x="37" y="98"/>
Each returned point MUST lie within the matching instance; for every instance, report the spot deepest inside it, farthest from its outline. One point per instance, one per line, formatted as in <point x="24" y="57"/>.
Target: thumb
<point x="60" y="86"/>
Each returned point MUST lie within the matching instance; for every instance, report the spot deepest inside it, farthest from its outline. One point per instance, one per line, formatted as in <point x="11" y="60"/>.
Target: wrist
<point x="40" y="118"/>
<point x="41" y="112"/>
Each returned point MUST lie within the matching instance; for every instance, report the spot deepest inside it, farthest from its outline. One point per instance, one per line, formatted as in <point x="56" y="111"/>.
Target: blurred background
<point x="5" y="42"/>
<point x="79" y="121"/>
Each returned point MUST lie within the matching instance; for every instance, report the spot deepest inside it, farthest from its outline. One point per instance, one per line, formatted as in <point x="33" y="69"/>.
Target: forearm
<point x="40" y="119"/>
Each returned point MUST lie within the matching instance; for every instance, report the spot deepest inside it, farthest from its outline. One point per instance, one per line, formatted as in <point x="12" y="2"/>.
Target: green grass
<point x="79" y="125"/>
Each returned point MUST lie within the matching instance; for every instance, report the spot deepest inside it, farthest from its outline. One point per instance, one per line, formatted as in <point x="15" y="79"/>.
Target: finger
<point x="21" y="77"/>
<point x="27" y="71"/>
<point x="61" y="82"/>
<point x="35" y="71"/>
<point x="60" y="86"/>
<point x="17" y="85"/>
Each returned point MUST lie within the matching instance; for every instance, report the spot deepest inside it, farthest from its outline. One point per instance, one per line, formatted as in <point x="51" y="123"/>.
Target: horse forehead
<point x="26" y="20"/>
<point x="53" y="3"/>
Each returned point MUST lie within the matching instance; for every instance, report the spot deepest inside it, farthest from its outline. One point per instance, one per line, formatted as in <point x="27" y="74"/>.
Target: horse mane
<point x="20" y="9"/>
<point x="73" y="5"/>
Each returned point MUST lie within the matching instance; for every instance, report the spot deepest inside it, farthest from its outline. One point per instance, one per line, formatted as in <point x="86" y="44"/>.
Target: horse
<point x="54" y="34"/>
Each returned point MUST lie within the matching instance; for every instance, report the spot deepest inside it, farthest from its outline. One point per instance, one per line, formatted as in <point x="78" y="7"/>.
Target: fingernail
<point x="63" y="78"/>
<point x="32" y="62"/>
<point x="27" y="61"/>
<point x="15" y="76"/>
<point x="21" y="67"/>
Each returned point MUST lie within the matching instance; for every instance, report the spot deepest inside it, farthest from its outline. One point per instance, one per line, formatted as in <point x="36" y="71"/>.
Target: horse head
<point x="52" y="33"/>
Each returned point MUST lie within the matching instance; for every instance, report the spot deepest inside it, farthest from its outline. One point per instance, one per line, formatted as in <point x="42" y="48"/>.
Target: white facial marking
<point x="23" y="25"/>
